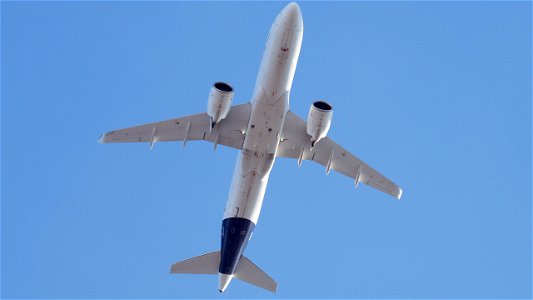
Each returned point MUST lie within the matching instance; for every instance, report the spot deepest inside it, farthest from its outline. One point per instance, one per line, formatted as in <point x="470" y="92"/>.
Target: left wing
<point x="295" y="143"/>
<point x="228" y="132"/>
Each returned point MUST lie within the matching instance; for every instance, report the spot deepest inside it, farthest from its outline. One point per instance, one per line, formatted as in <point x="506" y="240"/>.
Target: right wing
<point x="228" y="132"/>
<point x="295" y="144"/>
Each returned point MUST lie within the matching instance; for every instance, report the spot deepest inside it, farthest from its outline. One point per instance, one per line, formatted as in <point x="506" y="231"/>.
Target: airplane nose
<point x="292" y="12"/>
<point x="292" y="8"/>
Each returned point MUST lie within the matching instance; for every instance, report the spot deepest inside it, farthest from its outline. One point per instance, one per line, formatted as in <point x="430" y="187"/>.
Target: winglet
<point x="101" y="139"/>
<point x="399" y="195"/>
<point x="104" y="138"/>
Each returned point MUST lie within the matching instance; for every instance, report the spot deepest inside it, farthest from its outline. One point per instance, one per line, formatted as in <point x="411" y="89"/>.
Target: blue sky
<point x="435" y="95"/>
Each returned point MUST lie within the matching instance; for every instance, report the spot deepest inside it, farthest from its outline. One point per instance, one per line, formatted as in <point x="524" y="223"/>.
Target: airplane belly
<point x="248" y="186"/>
<point x="270" y="104"/>
<point x="255" y="160"/>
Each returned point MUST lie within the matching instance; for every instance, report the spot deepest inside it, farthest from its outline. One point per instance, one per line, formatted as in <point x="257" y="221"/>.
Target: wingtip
<point x="399" y="195"/>
<point x="101" y="139"/>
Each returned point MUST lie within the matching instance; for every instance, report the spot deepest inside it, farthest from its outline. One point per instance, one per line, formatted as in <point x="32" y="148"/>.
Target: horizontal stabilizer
<point x="247" y="271"/>
<point x="203" y="264"/>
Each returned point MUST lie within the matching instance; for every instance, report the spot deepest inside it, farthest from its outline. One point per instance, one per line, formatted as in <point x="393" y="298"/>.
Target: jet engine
<point x="219" y="102"/>
<point x="319" y="120"/>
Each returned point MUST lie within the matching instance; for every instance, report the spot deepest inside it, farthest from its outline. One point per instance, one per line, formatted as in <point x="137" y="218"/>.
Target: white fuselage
<point x="270" y="104"/>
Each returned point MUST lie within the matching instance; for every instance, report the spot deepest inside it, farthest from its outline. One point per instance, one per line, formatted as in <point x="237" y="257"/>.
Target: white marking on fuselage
<point x="270" y="104"/>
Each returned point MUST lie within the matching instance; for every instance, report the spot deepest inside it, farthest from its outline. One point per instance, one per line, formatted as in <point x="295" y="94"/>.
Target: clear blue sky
<point x="435" y="95"/>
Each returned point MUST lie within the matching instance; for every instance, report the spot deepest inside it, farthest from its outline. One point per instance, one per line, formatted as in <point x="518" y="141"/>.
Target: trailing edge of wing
<point x="295" y="144"/>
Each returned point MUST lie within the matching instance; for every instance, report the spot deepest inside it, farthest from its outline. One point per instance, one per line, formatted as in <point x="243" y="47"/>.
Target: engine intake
<point x="319" y="120"/>
<point x="219" y="102"/>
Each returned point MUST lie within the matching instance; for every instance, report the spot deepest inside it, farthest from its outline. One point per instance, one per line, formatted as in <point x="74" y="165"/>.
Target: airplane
<point x="262" y="130"/>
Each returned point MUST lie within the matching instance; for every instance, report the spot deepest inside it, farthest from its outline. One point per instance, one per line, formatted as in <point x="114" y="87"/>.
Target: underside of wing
<point x="228" y="132"/>
<point x="296" y="144"/>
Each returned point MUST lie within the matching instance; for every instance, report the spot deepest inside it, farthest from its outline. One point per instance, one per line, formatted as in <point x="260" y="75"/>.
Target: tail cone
<point x="223" y="281"/>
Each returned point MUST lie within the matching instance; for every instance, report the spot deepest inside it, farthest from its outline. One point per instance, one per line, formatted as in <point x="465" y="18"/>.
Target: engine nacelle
<point x="219" y="102"/>
<point x="319" y="121"/>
